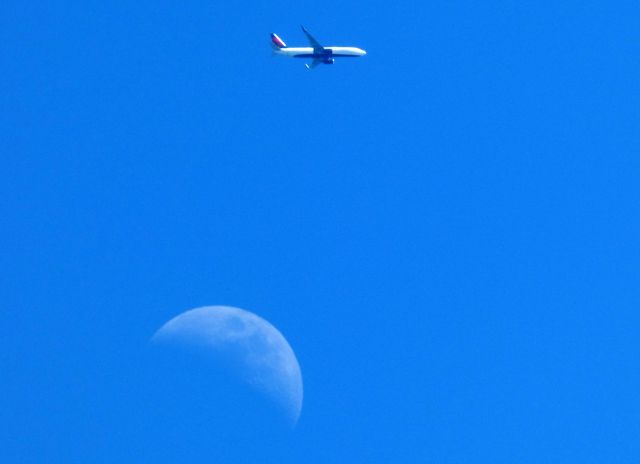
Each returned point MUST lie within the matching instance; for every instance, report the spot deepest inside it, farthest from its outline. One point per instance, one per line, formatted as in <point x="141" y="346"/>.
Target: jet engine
<point x="328" y="61"/>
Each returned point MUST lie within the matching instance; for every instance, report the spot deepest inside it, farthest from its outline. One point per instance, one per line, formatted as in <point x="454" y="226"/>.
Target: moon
<point x="265" y="359"/>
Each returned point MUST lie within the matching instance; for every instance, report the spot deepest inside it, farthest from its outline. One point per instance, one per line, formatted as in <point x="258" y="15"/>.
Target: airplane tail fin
<point x="276" y="42"/>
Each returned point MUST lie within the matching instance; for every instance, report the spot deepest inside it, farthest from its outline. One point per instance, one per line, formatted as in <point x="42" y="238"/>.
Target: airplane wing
<point x="314" y="63"/>
<point x="314" y="43"/>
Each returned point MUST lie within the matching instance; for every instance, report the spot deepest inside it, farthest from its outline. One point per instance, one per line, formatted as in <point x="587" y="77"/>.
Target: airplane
<point x="317" y="52"/>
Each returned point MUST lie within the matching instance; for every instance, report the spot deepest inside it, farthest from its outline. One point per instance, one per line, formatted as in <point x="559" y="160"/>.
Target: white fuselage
<point x="308" y="52"/>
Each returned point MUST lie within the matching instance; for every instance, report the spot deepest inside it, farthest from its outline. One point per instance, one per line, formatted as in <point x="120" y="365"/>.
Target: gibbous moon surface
<point x="265" y="359"/>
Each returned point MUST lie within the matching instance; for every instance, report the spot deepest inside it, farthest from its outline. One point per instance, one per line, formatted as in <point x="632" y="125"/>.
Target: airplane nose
<point x="363" y="52"/>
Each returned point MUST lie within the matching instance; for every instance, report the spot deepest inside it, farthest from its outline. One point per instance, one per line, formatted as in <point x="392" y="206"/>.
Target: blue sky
<point x="446" y="230"/>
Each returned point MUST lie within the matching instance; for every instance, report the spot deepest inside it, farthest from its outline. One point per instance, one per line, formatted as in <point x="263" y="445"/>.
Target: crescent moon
<point x="266" y="359"/>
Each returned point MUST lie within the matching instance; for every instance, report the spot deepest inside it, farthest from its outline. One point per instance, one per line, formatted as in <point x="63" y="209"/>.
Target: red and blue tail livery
<point x="318" y="53"/>
<point x="277" y="41"/>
